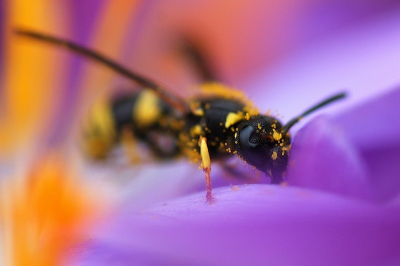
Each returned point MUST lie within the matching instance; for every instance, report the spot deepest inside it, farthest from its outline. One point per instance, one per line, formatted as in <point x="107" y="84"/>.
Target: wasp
<point x="217" y="123"/>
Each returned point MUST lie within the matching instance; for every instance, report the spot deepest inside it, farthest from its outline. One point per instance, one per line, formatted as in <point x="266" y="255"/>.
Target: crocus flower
<point x="42" y="212"/>
<point x="44" y="205"/>
<point x="340" y="204"/>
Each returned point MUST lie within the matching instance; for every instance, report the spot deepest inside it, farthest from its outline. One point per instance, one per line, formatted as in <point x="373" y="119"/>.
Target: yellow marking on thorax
<point x="215" y="89"/>
<point x="221" y="90"/>
<point x="146" y="110"/>
<point x="233" y="118"/>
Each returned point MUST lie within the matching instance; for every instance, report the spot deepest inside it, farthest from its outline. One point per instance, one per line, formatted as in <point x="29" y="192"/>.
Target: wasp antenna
<point x="312" y="109"/>
<point x="167" y="96"/>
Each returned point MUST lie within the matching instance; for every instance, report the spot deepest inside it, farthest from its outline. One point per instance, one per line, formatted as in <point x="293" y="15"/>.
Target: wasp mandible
<point x="217" y="123"/>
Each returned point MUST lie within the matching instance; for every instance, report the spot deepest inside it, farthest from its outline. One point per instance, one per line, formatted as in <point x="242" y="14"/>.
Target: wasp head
<point x="261" y="142"/>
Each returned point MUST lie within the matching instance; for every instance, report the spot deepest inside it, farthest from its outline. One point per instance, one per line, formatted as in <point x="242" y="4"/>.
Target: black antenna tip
<point x="314" y="108"/>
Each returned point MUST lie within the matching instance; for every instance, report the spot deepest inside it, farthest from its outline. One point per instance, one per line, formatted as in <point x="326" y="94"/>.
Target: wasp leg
<point x="129" y="144"/>
<point x="194" y="52"/>
<point x="206" y="165"/>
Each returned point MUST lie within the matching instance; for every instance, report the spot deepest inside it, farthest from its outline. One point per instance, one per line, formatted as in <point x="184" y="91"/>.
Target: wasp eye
<point x="252" y="147"/>
<point x="250" y="137"/>
<point x="246" y="137"/>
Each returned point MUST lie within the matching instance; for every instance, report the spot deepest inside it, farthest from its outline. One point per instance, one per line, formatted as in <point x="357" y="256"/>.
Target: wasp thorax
<point x="261" y="142"/>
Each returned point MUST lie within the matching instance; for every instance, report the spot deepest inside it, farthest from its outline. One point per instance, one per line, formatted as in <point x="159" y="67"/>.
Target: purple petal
<point x="350" y="60"/>
<point x="374" y="123"/>
<point x="323" y="158"/>
<point x="356" y="153"/>
<point x="374" y="128"/>
<point x="249" y="225"/>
